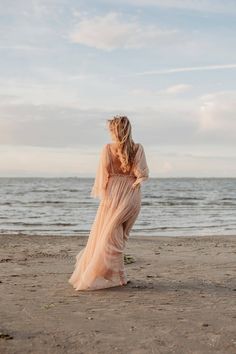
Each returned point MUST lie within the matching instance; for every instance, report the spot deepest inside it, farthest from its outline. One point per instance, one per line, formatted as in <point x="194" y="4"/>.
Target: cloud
<point x="44" y="161"/>
<point x="183" y="165"/>
<point x="208" y="119"/>
<point x="36" y="9"/>
<point x="204" y="120"/>
<point x="184" y="69"/>
<point x="176" y="89"/>
<point x="218" y="6"/>
<point x="111" y="32"/>
<point x="8" y="98"/>
<point x="48" y="125"/>
<point x="217" y="114"/>
<point x="165" y="167"/>
<point x="61" y="126"/>
<point x="53" y="140"/>
<point x="171" y="90"/>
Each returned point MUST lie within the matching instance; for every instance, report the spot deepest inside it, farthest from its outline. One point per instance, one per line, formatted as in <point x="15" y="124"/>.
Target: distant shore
<point x="181" y="298"/>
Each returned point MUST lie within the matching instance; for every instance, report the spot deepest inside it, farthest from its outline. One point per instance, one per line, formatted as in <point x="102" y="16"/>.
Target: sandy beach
<point x="181" y="298"/>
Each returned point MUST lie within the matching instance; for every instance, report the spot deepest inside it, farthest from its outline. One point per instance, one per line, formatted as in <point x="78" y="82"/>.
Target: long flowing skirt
<point x="100" y="264"/>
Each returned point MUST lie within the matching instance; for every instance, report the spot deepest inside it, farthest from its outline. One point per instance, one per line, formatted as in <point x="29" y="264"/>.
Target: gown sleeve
<point x="140" y="169"/>
<point x="102" y="175"/>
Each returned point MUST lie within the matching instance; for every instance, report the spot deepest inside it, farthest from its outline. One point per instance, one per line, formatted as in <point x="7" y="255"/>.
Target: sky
<point x="66" y="66"/>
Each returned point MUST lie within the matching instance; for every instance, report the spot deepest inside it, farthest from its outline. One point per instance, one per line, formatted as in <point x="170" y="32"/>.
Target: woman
<point x="121" y="169"/>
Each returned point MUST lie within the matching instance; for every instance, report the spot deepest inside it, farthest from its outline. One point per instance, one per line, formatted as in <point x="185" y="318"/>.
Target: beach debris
<point x="5" y="336"/>
<point x="129" y="259"/>
<point x="48" y="306"/>
<point x="5" y="260"/>
<point x="205" y="325"/>
<point x="90" y="318"/>
<point x="141" y="286"/>
<point x="132" y="328"/>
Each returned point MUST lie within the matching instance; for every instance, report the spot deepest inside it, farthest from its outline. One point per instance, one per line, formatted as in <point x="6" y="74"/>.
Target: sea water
<point x="170" y="206"/>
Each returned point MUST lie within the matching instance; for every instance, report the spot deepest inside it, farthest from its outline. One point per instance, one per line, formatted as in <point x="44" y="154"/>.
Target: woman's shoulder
<point x="139" y="147"/>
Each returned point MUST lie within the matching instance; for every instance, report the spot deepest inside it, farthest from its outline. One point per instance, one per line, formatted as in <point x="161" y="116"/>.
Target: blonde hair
<point x="121" y="127"/>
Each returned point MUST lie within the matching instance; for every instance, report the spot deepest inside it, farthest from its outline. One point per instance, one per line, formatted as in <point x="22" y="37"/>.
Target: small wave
<point x="221" y="203"/>
<point x="184" y="198"/>
<point x="154" y="196"/>
<point x="39" y="224"/>
<point x="228" y="199"/>
<point x="71" y="190"/>
<point x="42" y="191"/>
<point x="168" y="203"/>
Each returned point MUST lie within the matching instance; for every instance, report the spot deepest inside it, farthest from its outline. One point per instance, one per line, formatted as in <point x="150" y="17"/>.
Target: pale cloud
<point x="208" y="119"/>
<point x="37" y="9"/>
<point x="221" y="6"/>
<point x="22" y="47"/>
<point x="112" y="31"/>
<point x="44" y="161"/>
<point x="198" y="160"/>
<point x="63" y="162"/>
<point x="53" y="87"/>
<point x="7" y="98"/>
<point x="50" y="125"/>
<point x="61" y="126"/>
<point x="183" y="69"/>
<point x="47" y="140"/>
<point x="176" y="89"/>
<point x="170" y="90"/>
<point x="217" y="114"/>
<point x="166" y="167"/>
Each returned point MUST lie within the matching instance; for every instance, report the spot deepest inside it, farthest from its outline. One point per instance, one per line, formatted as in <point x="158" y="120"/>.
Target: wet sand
<point x="181" y="298"/>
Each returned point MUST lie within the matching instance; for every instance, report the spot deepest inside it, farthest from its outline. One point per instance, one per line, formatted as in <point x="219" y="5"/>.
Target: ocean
<point x="170" y="206"/>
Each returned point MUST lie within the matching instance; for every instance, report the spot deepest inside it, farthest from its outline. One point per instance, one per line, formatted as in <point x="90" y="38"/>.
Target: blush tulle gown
<point x="100" y="264"/>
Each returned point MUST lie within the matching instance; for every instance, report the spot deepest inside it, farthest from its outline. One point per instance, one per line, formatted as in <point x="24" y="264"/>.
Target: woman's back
<point x="115" y="163"/>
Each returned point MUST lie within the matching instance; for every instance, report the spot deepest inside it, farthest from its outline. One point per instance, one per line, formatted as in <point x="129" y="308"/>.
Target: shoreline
<point x="133" y="236"/>
<point x="181" y="298"/>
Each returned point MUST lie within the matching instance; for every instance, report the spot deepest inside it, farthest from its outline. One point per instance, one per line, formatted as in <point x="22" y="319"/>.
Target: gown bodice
<point x="115" y="164"/>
